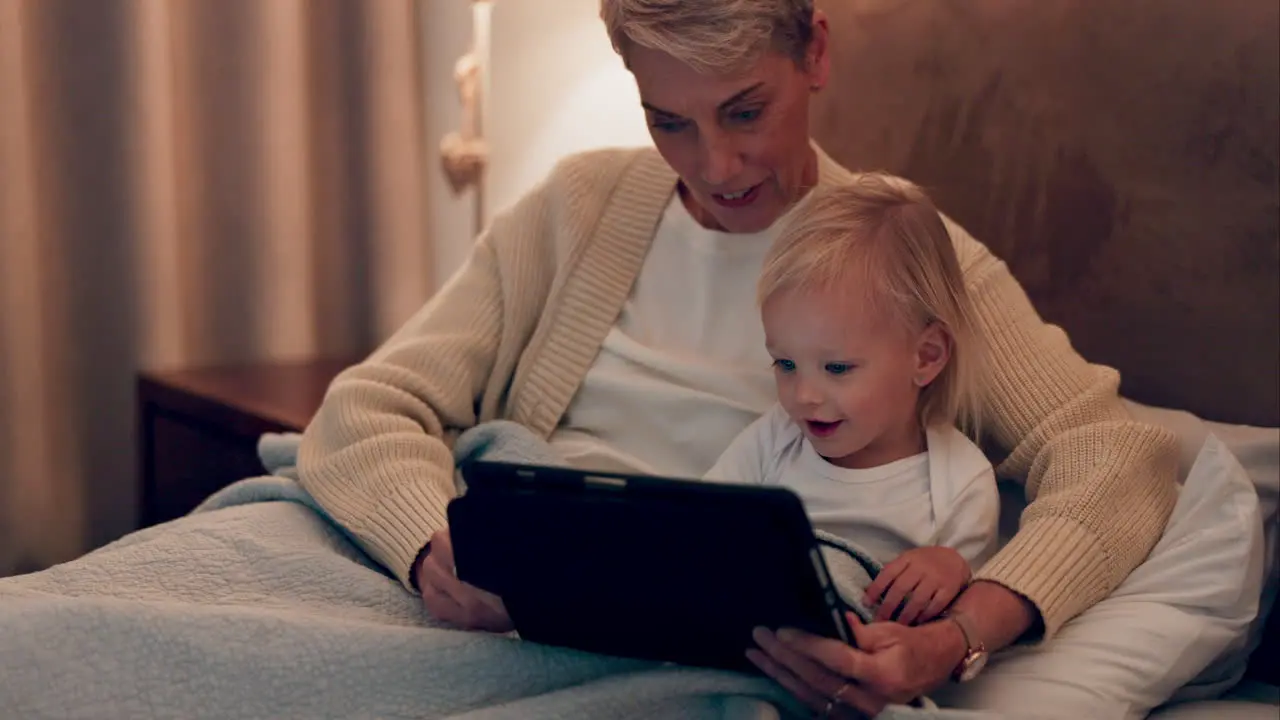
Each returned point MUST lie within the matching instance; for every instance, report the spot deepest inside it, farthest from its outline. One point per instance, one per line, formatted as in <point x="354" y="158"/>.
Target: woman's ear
<point x="818" y="57"/>
<point x="933" y="350"/>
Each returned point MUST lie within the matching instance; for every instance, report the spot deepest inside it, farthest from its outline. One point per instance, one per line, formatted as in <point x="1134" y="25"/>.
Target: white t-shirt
<point x="684" y="369"/>
<point x="945" y="496"/>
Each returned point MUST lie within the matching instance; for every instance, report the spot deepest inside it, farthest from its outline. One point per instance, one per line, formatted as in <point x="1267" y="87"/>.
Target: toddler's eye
<point x="785" y="366"/>
<point x="838" y="368"/>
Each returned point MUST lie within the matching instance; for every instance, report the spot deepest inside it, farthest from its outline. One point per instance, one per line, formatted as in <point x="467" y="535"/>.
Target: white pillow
<point x="1189" y="603"/>
<point x="1257" y="448"/>
<point x="1258" y="451"/>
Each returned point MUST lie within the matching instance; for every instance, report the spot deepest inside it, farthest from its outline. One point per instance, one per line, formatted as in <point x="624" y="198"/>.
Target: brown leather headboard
<point x="1120" y="156"/>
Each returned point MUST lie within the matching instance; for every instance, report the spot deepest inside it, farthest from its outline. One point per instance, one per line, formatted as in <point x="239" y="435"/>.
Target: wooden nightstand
<point x="199" y="428"/>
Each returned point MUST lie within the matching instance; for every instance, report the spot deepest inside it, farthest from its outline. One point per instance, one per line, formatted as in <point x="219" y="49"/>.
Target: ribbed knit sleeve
<point x="1101" y="485"/>
<point x="374" y="455"/>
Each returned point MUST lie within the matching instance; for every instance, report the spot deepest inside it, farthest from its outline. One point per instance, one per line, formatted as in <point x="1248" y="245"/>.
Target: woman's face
<point x="739" y="142"/>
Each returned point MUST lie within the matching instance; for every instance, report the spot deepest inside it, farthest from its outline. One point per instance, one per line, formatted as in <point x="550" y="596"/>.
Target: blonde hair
<point x="885" y="234"/>
<point x="711" y="36"/>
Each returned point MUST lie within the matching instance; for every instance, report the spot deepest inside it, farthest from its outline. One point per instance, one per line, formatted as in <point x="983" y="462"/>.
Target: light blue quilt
<point x="257" y="605"/>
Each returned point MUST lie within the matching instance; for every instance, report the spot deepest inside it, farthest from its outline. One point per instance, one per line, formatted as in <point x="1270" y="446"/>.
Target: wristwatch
<point x="975" y="655"/>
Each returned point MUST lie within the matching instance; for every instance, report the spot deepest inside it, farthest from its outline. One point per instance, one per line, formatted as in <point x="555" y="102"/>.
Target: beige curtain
<point x="187" y="182"/>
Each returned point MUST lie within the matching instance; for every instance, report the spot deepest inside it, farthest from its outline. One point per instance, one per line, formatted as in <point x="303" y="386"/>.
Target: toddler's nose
<point x="807" y="393"/>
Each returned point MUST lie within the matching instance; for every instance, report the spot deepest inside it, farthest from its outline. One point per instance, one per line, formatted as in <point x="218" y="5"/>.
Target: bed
<point x="1120" y="156"/>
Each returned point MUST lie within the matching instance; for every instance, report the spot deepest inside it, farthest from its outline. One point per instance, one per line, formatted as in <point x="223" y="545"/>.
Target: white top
<point x="684" y="369"/>
<point x="944" y="496"/>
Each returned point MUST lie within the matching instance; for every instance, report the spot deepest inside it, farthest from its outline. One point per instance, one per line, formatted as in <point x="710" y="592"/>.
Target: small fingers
<point x="897" y="592"/>
<point x="883" y="580"/>
<point x="941" y="600"/>
<point x="921" y="597"/>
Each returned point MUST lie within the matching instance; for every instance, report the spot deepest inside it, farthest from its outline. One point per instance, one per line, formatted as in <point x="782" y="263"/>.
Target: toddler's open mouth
<point x="821" y="428"/>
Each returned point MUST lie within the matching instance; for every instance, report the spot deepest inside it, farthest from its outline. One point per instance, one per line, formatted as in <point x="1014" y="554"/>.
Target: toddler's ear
<point x="933" y="350"/>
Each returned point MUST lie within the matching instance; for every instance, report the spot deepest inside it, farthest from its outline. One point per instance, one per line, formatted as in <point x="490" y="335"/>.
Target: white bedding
<point x="257" y="606"/>
<point x="263" y="608"/>
<point x="1166" y="630"/>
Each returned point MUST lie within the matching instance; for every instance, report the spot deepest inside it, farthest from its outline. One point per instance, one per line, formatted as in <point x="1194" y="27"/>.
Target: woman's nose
<point x="721" y="161"/>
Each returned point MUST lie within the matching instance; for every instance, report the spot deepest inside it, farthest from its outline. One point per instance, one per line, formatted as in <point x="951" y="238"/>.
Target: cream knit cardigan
<point x="514" y="332"/>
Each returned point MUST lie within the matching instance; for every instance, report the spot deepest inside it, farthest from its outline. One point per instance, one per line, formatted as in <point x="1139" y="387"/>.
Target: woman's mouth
<point x="737" y="199"/>
<point x="819" y="428"/>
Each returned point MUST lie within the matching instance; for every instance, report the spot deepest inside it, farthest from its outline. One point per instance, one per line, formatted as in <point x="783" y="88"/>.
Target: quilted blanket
<point x="258" y="605"/>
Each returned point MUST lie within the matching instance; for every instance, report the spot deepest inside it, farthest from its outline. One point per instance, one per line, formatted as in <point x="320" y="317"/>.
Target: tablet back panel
<point x="642" y="567"/>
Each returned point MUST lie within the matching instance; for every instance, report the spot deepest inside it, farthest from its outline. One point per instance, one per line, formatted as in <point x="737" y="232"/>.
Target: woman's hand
<point x="892" y="664"/>
<point x="449" y="599"/>
<point x="926" y="579"/>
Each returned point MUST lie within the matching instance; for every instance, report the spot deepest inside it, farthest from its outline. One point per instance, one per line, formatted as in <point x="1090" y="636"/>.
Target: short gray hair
<point x="713" y="36"/>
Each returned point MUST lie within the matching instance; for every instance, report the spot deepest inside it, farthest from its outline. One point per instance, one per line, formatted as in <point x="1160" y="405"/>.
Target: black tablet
<point x="643" y="567"/>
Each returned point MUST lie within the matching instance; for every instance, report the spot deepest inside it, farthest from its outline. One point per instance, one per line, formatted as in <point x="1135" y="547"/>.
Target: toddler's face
<point x="848" y="374"/>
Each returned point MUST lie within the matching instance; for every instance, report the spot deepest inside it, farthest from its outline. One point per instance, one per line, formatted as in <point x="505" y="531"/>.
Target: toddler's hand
<point x="922" y="582"/>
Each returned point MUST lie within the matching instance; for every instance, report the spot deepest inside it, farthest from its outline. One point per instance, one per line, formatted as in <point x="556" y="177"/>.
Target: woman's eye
<point x="785" y="366"/>
<point x="746" y="116"/>
<point x="838" y="368"/>
<point x="668" y="126"/>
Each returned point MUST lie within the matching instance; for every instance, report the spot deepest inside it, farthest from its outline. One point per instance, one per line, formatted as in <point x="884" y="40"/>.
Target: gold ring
<point x="836" y="699"/>
<point x="839" y="696"/>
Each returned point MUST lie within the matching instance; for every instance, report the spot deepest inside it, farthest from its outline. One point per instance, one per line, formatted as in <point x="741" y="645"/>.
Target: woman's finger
<point x="486" y="610"/>
<point x="441" y="578"/>
<point x="921" y="597"/>
<point x="897" y="592"/>
<point x="442" y="550"/>
<point x="453" y="600"/>
<point x="809" y="672"/>
<point x="853" y="701"/>
<point x="883" y="580"/>
<point x="836" y="657"/>
<point x="841" y="709"/>
<point x="792" y="684"/>
<point x="440" y="604"/>
<point x="872" y="661"/>
<point x="861" y="641"/>
<point x="438" y="565"/>
<point x="825" y="680"/>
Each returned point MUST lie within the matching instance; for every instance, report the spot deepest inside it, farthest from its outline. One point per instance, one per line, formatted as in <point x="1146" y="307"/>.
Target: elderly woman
<point x="611" y="310"/>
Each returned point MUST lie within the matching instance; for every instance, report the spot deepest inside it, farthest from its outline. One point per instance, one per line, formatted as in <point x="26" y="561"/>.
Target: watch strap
<point x="975" y="650"/>
<point x="966" y="629"/>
